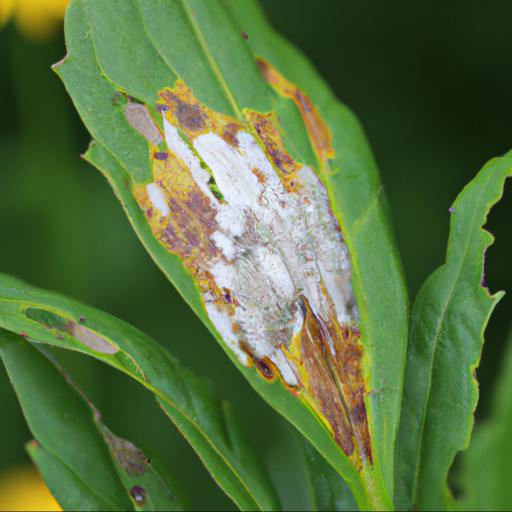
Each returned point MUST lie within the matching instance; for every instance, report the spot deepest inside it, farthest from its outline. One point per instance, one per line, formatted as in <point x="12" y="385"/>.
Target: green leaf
<point x="331" y="493"/>
<point x="62" y="422"/>
<point x="85" y="465"/>
<point x="210" y="427"/>
<point x="126" y="52"/>
<point x="67" y="488"/>
<point x="448" y="321"/>
<point x="487" y="464"/>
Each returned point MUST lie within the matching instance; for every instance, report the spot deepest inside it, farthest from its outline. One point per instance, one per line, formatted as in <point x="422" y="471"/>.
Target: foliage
<point x="418" y="408"/>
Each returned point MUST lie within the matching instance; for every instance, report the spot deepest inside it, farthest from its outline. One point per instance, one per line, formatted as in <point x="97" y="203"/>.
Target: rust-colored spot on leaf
<point x="189" y="115"/>
<point x="265" y="126"/>
<point x="319" y="132"/>
<point x="183" y="110"/>
<point x="129" y="457"/>
<point x="255" y="230"/>
<point x="329" y="357"/>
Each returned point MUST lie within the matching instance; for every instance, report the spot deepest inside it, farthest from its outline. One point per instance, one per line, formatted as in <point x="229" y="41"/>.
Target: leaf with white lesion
<point x="45" y="317"/>
<point x="246" y="187"/>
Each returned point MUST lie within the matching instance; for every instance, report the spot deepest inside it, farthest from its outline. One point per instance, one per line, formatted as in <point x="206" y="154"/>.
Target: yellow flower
<point x="36" y="19"/>
<point x="22" y="488"/>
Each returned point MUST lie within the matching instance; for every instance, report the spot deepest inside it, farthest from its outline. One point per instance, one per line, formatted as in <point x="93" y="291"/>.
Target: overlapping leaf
<point x="85" y="465"/>
<point x="208" y="425"/>
<point x="447" y="326"/>
<point x="140" y="47"/>
<point x="330" y="492"/>
<point x="486" y="467"/>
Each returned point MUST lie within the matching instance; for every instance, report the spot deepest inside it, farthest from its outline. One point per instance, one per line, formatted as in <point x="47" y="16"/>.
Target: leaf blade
<point x="69" y="491"/>
<point x="448" y="319"/>
<point x="353" y="183"/>
<point x="185" y="399"/>
<point x="60" y="437"/>
<point x="485" y="466"/>
<point x="54" y="406"/>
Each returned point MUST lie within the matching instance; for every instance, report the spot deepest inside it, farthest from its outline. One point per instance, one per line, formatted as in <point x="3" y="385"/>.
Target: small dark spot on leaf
<point x="160" y="155"/>
<point x="134" y="100"/>
<point x="264" y="368"/>
<point x="119" y="99"/>
<point x="81" y="320"/>
<point x="138" y="494"/>
<point x="245" y="36"/>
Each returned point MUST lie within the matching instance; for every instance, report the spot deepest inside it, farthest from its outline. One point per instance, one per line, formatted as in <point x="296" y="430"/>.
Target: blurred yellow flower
<point x="37" y="19"/>
<point x="22" y="488"/>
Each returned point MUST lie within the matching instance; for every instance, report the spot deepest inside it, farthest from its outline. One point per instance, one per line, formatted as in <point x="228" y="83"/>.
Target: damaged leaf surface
<point x="255" y="192"/>
<point x="44" y="317"/>
<point x="256" y="232"/>
<point x="85" y="466"/>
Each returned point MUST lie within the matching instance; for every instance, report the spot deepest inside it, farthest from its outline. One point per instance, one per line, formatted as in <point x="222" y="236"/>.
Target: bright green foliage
<point x="487" y="465"/>
<point x="446" y="337"/>
<point x="84" y="464"/>
<point x="208" y="425"/>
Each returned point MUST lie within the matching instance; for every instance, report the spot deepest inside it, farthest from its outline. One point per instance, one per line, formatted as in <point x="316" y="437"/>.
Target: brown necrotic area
<point x="317" y="128"/>
<point x="255" y="229"/>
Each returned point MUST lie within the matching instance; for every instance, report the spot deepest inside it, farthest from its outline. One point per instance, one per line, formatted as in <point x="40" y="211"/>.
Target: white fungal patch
<point x="275" y="248"/>
<point x="157" y="198"/>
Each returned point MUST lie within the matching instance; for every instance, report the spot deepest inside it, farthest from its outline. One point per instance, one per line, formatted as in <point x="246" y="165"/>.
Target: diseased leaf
<point x="73" y="461"/>
<point x="448" y="321"/>
<point x="62" y="423"/>
<point x="487" y="464"/>
<point x="210" y="428"/>
<point x="259" y="199"/>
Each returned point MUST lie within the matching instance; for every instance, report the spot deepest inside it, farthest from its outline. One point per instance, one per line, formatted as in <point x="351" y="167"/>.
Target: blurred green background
<point x="432" y="85"/>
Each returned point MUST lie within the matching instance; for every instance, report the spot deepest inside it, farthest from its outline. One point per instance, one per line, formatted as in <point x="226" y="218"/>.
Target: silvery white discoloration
<point x="140" y="119"/>
<point x="274" y="247"/>
<point x="158" y="199"/>
<point x="92" y="340"/>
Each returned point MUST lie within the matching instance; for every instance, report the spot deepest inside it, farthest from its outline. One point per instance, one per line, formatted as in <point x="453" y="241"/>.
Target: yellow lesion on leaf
<point x="326" y="355"/>
<point x="319" y="132"/>
<point x="328" y="358"/>
<point x="265" y="127"/>
<point x="182" y="109"/>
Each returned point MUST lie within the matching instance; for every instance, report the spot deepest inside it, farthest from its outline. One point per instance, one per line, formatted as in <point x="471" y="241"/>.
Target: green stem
<point x="369" y="491"/>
